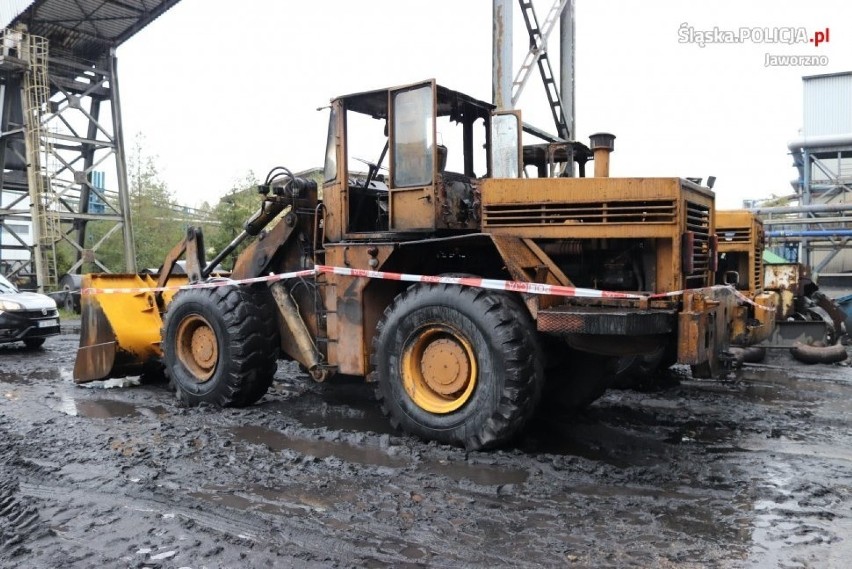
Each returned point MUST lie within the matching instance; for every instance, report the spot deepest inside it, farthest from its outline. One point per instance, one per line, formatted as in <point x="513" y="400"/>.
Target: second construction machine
<point x="589" y="270"/>
<point x="803" y="315"/>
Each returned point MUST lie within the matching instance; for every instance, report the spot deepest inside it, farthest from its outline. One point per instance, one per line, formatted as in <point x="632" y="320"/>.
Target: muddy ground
<point x="754" y="471"/>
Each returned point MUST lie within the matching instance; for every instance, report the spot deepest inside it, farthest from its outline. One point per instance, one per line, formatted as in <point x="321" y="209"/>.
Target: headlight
<point x="9" y="305"/>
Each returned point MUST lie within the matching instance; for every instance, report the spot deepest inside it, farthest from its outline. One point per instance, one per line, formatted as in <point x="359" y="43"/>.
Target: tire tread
<point x="250" y="358"/>
<point x="513" y="332"/>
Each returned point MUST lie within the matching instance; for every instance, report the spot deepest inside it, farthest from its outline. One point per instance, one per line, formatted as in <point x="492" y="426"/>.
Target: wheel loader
<point x="741" y="242"/>
<point x="448" y="275"/>
<point x="803" y="315"/>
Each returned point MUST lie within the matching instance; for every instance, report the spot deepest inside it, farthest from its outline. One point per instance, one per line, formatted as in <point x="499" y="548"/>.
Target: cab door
<point x="413" y="157"/>
<point x="506" y="154"/>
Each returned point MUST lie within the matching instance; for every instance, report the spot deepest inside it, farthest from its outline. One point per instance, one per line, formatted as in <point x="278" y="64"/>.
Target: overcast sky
<point x="219" y="90"/>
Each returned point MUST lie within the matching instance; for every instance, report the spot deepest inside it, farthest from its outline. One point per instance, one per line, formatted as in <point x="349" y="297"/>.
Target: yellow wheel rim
<point x="197" y="348"/>
<point x="438" y="369"/>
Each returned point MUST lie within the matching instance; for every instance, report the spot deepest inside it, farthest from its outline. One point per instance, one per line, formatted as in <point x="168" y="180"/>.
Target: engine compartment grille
<point x="698" y="224"/>
<point x="735" y="235"/>
<point x="758" y="259"/>
<point x="593" y="213"/>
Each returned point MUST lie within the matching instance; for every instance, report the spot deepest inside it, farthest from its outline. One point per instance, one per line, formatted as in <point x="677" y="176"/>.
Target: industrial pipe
<point x="819" y="354"/>
<point x="816" y="208"/>
<point x="602" y="144"/>
<point x="805" y="220"/>
<point x="820" y="141"/>
<point x="811" y="233"/>
<point x="749" y="355"/>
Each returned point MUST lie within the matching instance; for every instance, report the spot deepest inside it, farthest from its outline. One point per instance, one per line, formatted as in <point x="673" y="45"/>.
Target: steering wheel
<point x="373" y="169"/>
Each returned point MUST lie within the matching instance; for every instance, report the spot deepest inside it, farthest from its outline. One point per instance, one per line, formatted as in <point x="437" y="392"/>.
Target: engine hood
<point x="30" y="300"/>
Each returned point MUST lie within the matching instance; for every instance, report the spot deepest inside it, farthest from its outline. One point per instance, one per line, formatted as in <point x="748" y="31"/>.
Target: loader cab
<point x="403" y="163"/>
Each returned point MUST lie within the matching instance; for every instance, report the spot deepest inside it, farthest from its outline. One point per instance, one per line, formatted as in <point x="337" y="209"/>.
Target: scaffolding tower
<point x="507" y="91"/>
<point x="53" y="143"/>
<point x="819" y="227"/>
<point x="61" y="139"/>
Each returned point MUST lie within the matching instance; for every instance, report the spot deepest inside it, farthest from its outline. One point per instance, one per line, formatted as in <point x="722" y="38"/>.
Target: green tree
<point x="231" y="214"/>
<point x="153" y="209"/>
<point x="154" y="215"/>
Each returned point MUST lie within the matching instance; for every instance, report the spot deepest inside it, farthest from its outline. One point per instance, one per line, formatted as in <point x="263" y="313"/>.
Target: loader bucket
<point x="120" y="327"/>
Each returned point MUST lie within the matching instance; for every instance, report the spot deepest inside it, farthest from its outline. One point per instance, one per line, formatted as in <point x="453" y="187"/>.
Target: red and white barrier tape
<point x="491" y="284"/>
<point x="747" y="300"/>
<point x="210" y="284"/>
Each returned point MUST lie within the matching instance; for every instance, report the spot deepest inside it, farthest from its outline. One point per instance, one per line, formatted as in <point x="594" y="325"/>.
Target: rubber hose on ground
<point x="819" y="354"/>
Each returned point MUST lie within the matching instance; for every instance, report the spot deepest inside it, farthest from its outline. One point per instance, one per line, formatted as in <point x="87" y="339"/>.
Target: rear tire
<point x="458" y="365"/>
<point x="645" y="372"/>
<point x="220" y="345"/>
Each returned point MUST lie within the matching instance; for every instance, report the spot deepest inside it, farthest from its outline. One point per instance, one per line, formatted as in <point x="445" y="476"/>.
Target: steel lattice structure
<point x="82" y="170"/>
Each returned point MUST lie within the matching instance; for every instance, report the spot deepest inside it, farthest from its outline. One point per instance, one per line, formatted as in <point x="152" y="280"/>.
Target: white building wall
<point x="827" y="104"/>
<point x="9" y="10"/>
<point x="22" y="228"/>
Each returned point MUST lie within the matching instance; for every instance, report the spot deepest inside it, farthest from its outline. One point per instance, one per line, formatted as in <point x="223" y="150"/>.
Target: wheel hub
<point x="204" y="347"/>
<point x="197" y="348"/>
<point x="444" y="366"/>
<point x="439" y="369"/>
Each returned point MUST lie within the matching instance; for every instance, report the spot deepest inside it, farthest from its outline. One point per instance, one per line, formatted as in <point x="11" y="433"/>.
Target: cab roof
<point x="454" y="104"/>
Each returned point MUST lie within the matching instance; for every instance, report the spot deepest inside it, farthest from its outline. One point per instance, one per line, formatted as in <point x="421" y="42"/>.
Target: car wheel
<point x="33" y="343"/>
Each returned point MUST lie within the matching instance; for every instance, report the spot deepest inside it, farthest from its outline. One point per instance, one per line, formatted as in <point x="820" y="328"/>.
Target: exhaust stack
<point x="602" y="143"/>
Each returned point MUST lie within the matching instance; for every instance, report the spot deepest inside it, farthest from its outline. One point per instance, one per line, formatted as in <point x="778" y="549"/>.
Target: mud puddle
<point x="278" y="441"/>
<point x="481" y="474"/>
<point x="344" y="408"/>
<point x="275" y="500"/>
<point x="105" y="408"/>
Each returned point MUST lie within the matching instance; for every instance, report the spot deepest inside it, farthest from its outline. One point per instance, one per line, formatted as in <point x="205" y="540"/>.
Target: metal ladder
<point x="46" y="229"/>
<point x="538" y="54"/>
<point x="321" y="313"/>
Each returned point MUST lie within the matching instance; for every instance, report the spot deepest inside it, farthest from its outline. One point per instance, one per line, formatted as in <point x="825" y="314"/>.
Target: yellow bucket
<point x="120" y="327"/>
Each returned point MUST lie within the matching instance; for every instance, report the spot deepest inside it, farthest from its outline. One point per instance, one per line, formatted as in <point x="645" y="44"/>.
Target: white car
<point x="26" y="317"/>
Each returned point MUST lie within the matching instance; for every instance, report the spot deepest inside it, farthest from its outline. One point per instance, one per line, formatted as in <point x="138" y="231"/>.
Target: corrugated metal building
<point x="827" y="104"/>
<point x="11" y="9"/>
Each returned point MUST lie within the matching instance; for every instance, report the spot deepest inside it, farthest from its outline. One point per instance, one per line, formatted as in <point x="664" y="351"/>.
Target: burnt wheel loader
<point x="805" y="320"/>
<point x="448" y="198"/>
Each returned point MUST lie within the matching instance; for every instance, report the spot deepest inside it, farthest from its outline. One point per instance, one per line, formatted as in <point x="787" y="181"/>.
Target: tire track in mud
<point x="721" y="474"/>
<point x="314" y="538"/>
<point x="19" y="520"/>
<point x="20" y="523"/>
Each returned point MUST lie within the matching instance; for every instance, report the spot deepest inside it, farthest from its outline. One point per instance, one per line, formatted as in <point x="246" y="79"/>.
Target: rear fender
<point x="704" y="329"/>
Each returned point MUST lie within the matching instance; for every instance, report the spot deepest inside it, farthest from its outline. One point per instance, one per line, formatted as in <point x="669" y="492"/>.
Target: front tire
<point x="220" y="345"/>
<point x="580" y="379"/>
<point x="33" y="343"/>
<point x="458" y="365"/>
